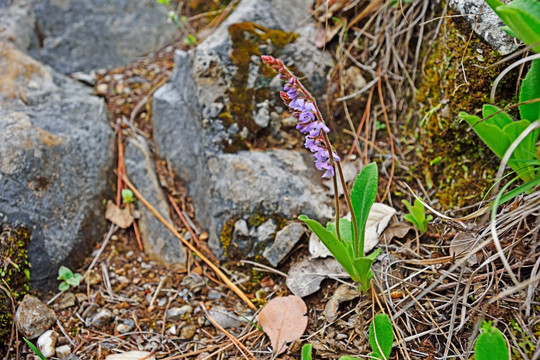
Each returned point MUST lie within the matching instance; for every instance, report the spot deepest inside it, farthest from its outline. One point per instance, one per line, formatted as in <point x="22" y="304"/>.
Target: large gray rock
<point x="57" y="150"/>
<point x="17" y="23"/>
<point x="80" y="35"/>
<point x="221" y="99"/>
<point x="485" y="23"/>
<point x="158" y="241"/>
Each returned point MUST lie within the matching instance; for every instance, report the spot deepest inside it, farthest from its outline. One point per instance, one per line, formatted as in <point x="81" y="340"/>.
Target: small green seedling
<point x="522" y="19"/>
<point x="417" y="215"/>
<point x="127" y="196"/>
<point x="381" y="336"/>
<point x="69" y="278"/>
<point x="490" y="345"/>
<point x="34" y="349"/>
<point x="348" y="246"/>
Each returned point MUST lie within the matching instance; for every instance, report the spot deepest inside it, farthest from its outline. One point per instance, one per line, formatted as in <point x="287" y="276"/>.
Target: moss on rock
<point x="247" y="38"/>
<point x="457" y="77"/>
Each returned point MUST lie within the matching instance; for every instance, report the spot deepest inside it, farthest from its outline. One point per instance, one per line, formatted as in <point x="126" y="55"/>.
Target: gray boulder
<point x="485" y="23"/>
<point x="17" y="23"/>
<point x="81" y="35"/>
<point x="221" y="99"/>
<point x="158" y="241"/>
<point x="57" y="150"/>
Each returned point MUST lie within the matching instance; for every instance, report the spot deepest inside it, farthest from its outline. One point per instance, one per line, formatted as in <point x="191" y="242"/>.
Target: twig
<point x="138" y="235"/>
<point x="235" y="341"/>
<point x="390" y="137"/>
<point x="65" y="333"/>
<point x="218" y="272"/>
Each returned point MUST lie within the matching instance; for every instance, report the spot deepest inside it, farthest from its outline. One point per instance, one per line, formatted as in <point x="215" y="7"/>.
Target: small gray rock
<point x="225" y="318"/>
<point x="71" y="357"/>
<point x="181" y="313"/>
<point x="266" y="230"/>
<point x="33" y="317"/>
<point x="214" y="295"/>
<point x="286" y="238"/>
<point x="102" y="318"/>
<point x="158" y="241"/>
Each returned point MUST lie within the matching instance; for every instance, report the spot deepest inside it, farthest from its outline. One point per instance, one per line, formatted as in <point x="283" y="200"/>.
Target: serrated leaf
<point x="337" y="248"/>
<point x="490" y="345"/>
<point x="381" y="336"/>
<point x="363" y="195"/>
<point x="530" y="90"/>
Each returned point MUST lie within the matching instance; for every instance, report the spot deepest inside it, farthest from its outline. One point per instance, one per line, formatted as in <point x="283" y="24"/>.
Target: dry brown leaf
<point x="121" y="217"/>
<point x="284" y="320"/>
<point x="343" y="293"/>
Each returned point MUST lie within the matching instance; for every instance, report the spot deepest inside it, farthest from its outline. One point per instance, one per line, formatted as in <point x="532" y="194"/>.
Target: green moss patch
<point x="456" y="77"/>
<point x="14" y="272"/>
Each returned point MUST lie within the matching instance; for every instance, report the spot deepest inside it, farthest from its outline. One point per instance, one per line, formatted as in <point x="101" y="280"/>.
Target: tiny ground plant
<point x="381" y="338"/>
<point x="417" y="215"/>
<point x="69" y="278"/>
<point x="34" y="349"/>
<point x="344" y="238"/>
<point x="490" y="345"/>
<point x="181" y="22"/>
<point x="127" y="196"/>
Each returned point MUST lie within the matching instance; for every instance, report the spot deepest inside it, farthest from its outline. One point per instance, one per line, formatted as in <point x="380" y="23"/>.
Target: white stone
<point x="46" y="343"/>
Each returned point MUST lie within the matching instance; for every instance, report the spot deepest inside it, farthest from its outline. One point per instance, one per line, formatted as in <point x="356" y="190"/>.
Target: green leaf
<point x="345" y="231"/>
<point x="75" y="280"/>
<point x="34" y="349"/>
<point x="64" y="273"/>
<point x="347" y="357"/>
<point x="491" y="134"/>
<point x="363" y="195"/>
<point x="336" y="247"/>
<point x="127" y="196"/>
<point x="490" y="345"/>
<point x="64" y="286"/>
<point x="522" y="17"/>
<point x="526" y="150"/>
<point x="363" y="268"/>
<point x="381" y="336"/>
<point x="306" y="352"/>
<point x="164" y="2"/>
<point x="530" y="90"/>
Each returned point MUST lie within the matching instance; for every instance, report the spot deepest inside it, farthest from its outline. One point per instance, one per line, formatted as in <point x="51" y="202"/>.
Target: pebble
<point x="224" y="318"/>
<point x="33" y="317"/>
<point x="214" y="295"/>
<point x="172" y="330"/>
<point x="193" y="282"/>
<point x="63" y="351"/>
<point x="101" y="89"/>
<point x="68" y="300"/>
<point x="81" y="297"/>
<point x="181" y="313"/>
<point x="266" y="230"/>
<point x="188" y="332"/>
<point x="123" y="328"/>
<point x="102" y="318"/>
<point x="46" y="343"/>
<point x="71" y="357"/>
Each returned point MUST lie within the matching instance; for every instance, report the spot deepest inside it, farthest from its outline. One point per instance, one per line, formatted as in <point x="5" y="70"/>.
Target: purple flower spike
<point x="310" y="122"/>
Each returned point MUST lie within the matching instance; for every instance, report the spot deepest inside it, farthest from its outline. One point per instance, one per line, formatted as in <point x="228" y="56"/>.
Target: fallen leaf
<point x="343" y="293"/>
<point x="397" y="230"/>
<point x="284" y="320"/>
<point x="379" y="216"/>
<point x="305" y="277"/>
<point x="131" y="355"/>
<point x="121" y="217"/>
